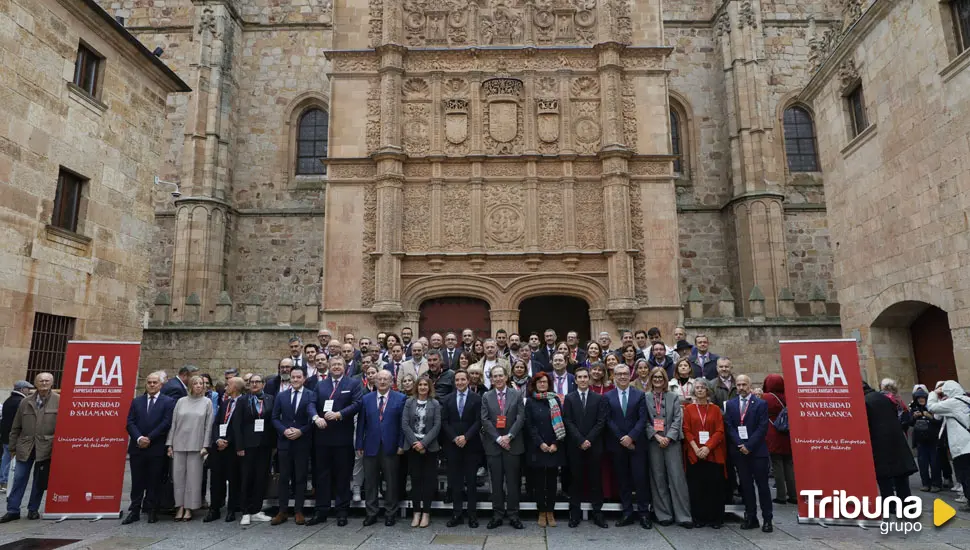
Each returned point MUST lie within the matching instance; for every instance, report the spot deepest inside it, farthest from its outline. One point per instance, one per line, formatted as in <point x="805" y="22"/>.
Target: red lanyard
<point x="704" y="415"/>
<point x="744" y="410"/>
<point x="229" y="409"/>
<point x="335" y="384"/>
<point x="684" y="390"/>
<point x="259" y="408"/>
<point x="658" y="403"/>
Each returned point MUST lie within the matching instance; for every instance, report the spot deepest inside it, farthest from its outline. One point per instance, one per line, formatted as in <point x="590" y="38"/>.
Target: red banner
<point x="827" y="421"/>
<point x="90" y="441"/>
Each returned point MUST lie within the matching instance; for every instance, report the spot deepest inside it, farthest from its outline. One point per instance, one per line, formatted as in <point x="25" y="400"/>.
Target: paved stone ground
<point x="788" y="535"/>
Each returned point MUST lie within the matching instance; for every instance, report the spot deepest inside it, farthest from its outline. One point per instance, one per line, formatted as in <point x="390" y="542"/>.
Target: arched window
<point x="800" y="140"/>
<point x="311" y="142"/>
<point x="676" y="144"/>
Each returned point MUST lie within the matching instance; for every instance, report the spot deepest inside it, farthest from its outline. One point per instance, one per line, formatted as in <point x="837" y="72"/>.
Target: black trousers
<point x="584" y="466"/>
<point x="546" y="488"/>
<point x="254" y="479"/>
<point x="462" y="467"/>
<point x="503" y="470"/>
<point x="423" y="469"/>
<point x="632" y="466"/>
<point x="334" y="472"/>
<point x="226" y="468"/>
<point x="293" y="468"/>
<point x="753" y="471"/>
<point x="706" y="483"/>
<point x="146" y="478"/>
<point x="894" y="486"/>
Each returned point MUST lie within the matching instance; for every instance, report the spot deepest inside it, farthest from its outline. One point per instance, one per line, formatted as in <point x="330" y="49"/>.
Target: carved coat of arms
<point x="456" y="120"/>
<point x="502" y="94"/>
<point x="548" y="124"/>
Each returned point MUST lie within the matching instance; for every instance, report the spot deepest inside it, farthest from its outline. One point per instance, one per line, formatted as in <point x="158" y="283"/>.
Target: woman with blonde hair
<point x="668" y="486"/>
<point x="706" y="456"/>
<point x="187" y="441"/>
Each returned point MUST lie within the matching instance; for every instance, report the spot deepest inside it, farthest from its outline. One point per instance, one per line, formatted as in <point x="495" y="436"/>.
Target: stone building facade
<point x="82" y="121"/>
<point x="893" y="106"/>
<point x="629" y="154"/>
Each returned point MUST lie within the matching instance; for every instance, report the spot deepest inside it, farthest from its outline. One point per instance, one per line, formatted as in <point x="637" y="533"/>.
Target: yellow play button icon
<point x="942" y="512"/>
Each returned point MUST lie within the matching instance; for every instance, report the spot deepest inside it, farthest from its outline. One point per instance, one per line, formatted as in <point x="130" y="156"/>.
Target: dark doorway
<point x="454" y="314"/>
<point x="933" y="347"/>
<point x="560" y="313"/>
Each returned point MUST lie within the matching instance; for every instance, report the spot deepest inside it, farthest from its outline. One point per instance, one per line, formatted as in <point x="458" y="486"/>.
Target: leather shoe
<point x="370" y="520"/>
<point x="278" y="519"/>
<point x="33" y="514"/>
<point x="645" y="523"/>
<point x="573" y="523"/>
<point x="454" y="521"/>
<point x="749" y="523"/>
<point x="766" y="527"/>
<point x="341" y="522"/>
<point x="494" y="523"/>
<point x="600" y="521"/>
<point x="299" y="519"/>
<point x="686" y="524"/>
<point x="626" y="520"/>
<point x="390" y="521"/>
<point x="132" y="517"/>
<point x="473" y="522"/>
<point x="230" y="517"/>
<point x="152" y="516"/>
<point x="717" y="525"/>
<point x="666" y="523"/>
<point x="211" y="515"/>
<point x="317" y="518"/>
<point x="780" y="500"/>
<point x="516" y="524"/>
<point x="9" y="517"/>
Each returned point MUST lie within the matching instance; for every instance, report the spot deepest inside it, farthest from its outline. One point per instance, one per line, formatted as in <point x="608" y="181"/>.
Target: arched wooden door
<point x="454" y="314"/>
<point x="933" y="347"/>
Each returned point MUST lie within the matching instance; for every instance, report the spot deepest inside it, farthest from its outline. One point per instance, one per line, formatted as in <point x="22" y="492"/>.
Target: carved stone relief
<point x="586" y="126"/>
<point x="375" y="11"/>
<point x="368" y="285"/>
<point x="551" y="231"/>
<point x="848" y="75"/>
<point x="504" y="218"/>
<point x="417" y="220"/>
<point x="417" y="116"/>
<point x="620" y="21"/>
<point x="629" y="106"/>
<point x="456" y="229"/>
<point x="373" y="127"/>
<point x="502" y="115"/>
<point x="589" y="208"/>
<point x="636" y="238"/>
<point x="455" y="105"/>
<point x="746" y="15"/>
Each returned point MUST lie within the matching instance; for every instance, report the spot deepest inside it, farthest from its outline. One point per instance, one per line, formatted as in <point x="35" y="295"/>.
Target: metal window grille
<point x="48" y="345"/>
<point x="800" y="140"/>
<point x="675" y="142"/>
<point x="311" y="142"/>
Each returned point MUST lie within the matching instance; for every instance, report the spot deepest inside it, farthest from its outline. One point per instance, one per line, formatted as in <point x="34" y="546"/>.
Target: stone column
<point x="507" y="319"/>
<point x="756" y="203"/>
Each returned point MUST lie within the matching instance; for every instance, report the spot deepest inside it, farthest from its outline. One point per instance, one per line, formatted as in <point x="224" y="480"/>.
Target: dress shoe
<point x="626" y="520"/>
<point x="494" y="523"/>
<point x="666" y="523"/>
<point x="9" y="517"/>
<point x="33" y="514"/>
<point x="299" y="519"/>
<point x="389" y="521"/>
<point x="455" y="521"/>
<point x="278" y="519"/>
<point x="132" y="517"/>
<point x="573" y="523"/>
<point x="230" y="517"/>
<point x="473" y="522"/>
<point x="686" y="524"/>
<point x="749" y="523"/>
<point x="516" y="524"/>
<point x="780" y="500"/>
<point x="717" y="525"/>
<point x="600" y="521"/>
<point x="792" y="501"/>
<point x="370" y="520"/>
<point x="341" y="522"/>
<point x="542" y="519"/>
<point x="646" y="523"/>
<point x="317" y="518"/>
<point x="211" y="515"/>
<point x="425" y="520"/>
<point x="766" y="527"/>
<point x="152" y="517"/>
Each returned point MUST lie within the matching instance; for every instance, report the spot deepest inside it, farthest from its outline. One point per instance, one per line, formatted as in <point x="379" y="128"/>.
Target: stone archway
<point x="911" y="342"/>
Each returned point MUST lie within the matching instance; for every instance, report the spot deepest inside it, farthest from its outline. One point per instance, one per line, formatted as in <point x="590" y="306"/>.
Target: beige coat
<point x="33" y="430"/>
<point x="486" y="378"/>
<point x="410" y="367"/>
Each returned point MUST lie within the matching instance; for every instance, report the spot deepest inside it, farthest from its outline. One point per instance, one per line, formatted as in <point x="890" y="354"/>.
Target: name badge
<point x="328" y="406"/>
<point x="743" y="432"/>
<point x="500" y="422"/>
<point x="658" y="424"/>
<point x="258" y="426"/>
<point x="223" y="430"/>
<point x="703" y="437"/>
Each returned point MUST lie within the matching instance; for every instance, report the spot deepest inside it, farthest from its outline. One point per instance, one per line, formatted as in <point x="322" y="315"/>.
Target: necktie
<point x="623" y="401"/>
<point x="380" y="408"/>
<point x="559" y="381"/>
<point x="451" y="355"/>
<point x="461" y="404"/>
<point x="151" y="403"/>
<point x="293" y="399"/>
<point x="582" y="397"/>
<point x="501" y="401"/>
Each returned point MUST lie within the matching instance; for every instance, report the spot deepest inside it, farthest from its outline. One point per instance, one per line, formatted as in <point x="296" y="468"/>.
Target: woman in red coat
<point x="706" y="455"/>
<point x="779" y="443"/>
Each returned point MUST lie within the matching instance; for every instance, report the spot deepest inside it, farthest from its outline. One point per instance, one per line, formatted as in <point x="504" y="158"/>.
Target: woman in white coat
<point x="951" y="403"/>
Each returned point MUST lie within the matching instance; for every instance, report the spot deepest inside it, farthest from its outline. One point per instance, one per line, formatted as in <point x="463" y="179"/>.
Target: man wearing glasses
<point x="255" y="433"/>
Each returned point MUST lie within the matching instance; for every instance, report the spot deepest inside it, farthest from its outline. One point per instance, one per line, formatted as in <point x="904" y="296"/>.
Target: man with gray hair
<point x="32" y="437"/>
<point x="416" y="365"/>
<point x="491" y="359"/>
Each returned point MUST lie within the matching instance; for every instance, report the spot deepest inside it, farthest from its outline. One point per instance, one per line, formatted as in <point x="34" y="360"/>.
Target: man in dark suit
<point x="545" y="352"/>
<point x="442" y="380"/>
<point x="379" y="442"/>
<point x="627" y="443"/>
<point x="149" y="419"/>
<point x="562" y="382"/>
<point x="503" y="419"/>
<point x="584" y="413"/>
<point x="257" y="439"/>
<point x="296" y="352"/>
<point x="407" y="337"/>
<point x="338" y="401"/>
<point x="224" y="462"/>
<point x="746" y="425"/>
<point x="176" y="387"/>
<point x="702" y="357"/>
<point x="280" y="382"/>
<point x="461" y="423"/>
<point x="451" y="352"/>
<point x="292" y="413"/>
<point x="577" y="353"/>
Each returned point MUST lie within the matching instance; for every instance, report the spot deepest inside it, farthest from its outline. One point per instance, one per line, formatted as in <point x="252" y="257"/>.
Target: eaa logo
<point x="823" y="373"/>
<point x="101" y="374"/>
<point x="88" y="497"/>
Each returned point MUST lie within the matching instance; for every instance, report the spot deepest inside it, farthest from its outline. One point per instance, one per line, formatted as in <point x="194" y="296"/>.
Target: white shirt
<point x="299" y="395"/>
<point x="486" y="372"/>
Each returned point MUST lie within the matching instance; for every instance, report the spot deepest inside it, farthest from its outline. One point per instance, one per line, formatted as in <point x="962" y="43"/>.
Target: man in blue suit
<point x="702" y="357"/>
<point x="338" y="402"/>
<point x="379" y="441"/>
<point x="176" y="387"/>
<point x="746" y="424"/>
<point x="292" y="413"/>
<point x="627" y="444"/>
<point x="149" y="419"/>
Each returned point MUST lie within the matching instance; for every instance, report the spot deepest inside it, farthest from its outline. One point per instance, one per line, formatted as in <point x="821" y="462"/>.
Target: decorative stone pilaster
<point x="163" y="308"/>
<point x="507" y="319"/>
<point x="616" y="200"/>
<point x="391" y="72"/>
<point x="786" y="303"/>
<point x="224" y="308"/>
<point x="389" y="248"/>
<point x="284" y="312"/>
<point x="695" y="304"/>
<point x="311" y="315"/>
<point x="191" y="308"/>
<point x="725" y="303"/>
<point x="756" y="304"/>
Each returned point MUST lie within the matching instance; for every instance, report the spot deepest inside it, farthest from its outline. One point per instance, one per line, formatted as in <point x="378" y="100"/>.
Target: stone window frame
<point x="784" y="137"/>
<point x="957" y="35"/>
<point x="854" y="100"/>
<point x="680" y="107"/>
<point x="95" y="82"/>
<point x="81" y="185"/>
<point x="294" y="112"/>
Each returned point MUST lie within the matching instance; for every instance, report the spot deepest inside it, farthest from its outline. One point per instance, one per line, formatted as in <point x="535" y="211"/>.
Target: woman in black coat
<point x="546" y="452"/>
<point x="890" y="453"/>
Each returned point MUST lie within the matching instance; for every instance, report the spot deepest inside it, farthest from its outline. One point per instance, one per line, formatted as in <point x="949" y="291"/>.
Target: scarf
<point x="554" y="413"/>
<point x="520" y="382"/>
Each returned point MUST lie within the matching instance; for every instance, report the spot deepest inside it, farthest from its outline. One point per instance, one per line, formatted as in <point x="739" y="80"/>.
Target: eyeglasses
<point x="657" y="377"/>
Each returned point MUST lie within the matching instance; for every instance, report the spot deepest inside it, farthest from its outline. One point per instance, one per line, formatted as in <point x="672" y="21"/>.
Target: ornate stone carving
<point x="417" y="128"/>
<point x="502" y="116"/>
<point x="586" y="126"/>
<point x="746" y="15"/>
<point x="355" y="64"/>
<point x="207" y="23"/>
<point x="368" y="286"/>
<point x="504" y="25"/>
<point x="851" y="12"/>
<point x="589" y="206"/>
<point x="620" y="21"/>
<point x="419" y="170"/>
<point x="504" y="224"/>
<point x="503" y="169"/>
<point x="848" y="75"/>
<point x="587" y="169"/>
<point x="375" y="11"/>
<point x="723" y="24"/>
<point x="585" y="86"/>
<point x="455" y="104"/>
<point x="820" y="45"/>
<point x="415" y="88"/>
<point x="417" y="222"/>
<point x="455" y="170"/>
<point x="350" y="171"/>
<point x="547" y="112"/>
<point x="551" y="232"/>
<point x="456" y="230"/>
<point x="373" y="127"/>
<point x="630" y="122"/>
<point x="636" y="238"/>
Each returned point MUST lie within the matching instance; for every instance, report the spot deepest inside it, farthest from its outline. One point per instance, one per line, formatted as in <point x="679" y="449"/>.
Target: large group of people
<point x="670" y="432"/>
